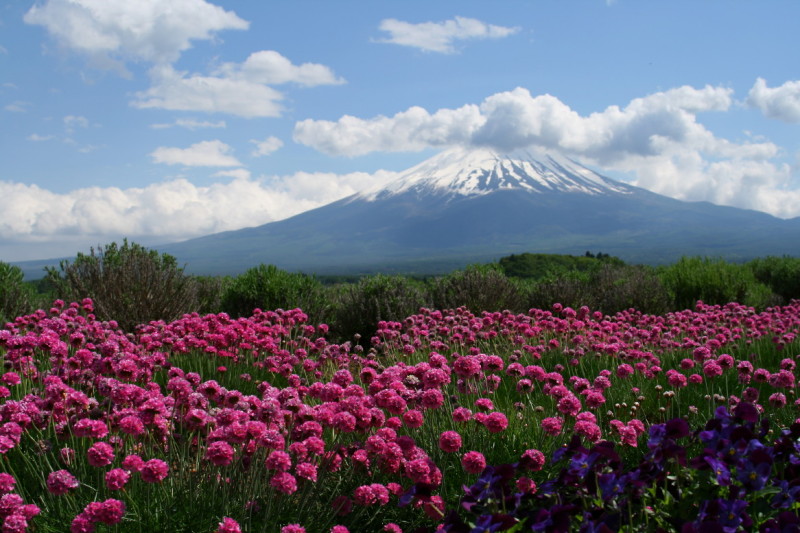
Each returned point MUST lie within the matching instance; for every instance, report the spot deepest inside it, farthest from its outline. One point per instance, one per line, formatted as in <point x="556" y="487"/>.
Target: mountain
<point x="464" y="206"/>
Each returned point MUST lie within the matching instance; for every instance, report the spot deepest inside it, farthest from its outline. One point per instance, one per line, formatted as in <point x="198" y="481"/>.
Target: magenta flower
<point x="339" y="529"/>
<point x="450" y="441"/>
<point x="133" y="463"/>
<point x="473" y="462"/>
<point x="284" y="483"/>
<point x="220" y="453"/>
<point x="552" y="425"/>
<point x="278" y="460"/>
<point x="108" y="512"/>
<point x="100" y="454"/>
<point x="154" y="471"/>
<point x="293" y="528"/>
<point x="7" y="482"/>
<point x="496" y="422"/>
<point x="117" y="478"/>
<point x="413" y="418"/>
<point x="229" y="525"/>
<point x="61" y="482"/>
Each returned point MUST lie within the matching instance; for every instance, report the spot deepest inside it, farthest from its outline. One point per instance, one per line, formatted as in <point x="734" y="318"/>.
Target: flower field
<point x="552" y="420"/>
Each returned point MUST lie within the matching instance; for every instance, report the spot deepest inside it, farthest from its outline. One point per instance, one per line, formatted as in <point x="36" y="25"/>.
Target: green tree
<point x="16" y="297"/>
<point x="129" y="284"/>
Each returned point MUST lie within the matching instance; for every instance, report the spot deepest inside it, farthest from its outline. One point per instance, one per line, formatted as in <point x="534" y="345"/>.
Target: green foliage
<point x="268" y="287"/>
<point x="552" y="266"/>
<point x="616" y="288"/>
<point x="209" y="291"/>
<point x="128" y="283"/>
<point x="360" y="306"/>
<point x="781" y="274"/>
<point x="713" y="281"/>
<point x="16" y="297"/>
<point x="479" y="288"/>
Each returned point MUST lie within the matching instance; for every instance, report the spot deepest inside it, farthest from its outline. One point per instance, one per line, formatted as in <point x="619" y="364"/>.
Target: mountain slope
<point x="469" y="206"/>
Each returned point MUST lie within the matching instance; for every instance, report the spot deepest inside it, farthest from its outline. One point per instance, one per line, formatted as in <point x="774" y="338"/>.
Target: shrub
<point x="128" y="283"/>
<point x="267" y="287"/>
<point x="713" y="281"/>
<point x="479" y="288"/>
<point x="617" y="288"/>
<point x="360" y="306"/>
<point x="570" y="289"/>
<point x="16" y="298"/>
<point x="781" y="274"/>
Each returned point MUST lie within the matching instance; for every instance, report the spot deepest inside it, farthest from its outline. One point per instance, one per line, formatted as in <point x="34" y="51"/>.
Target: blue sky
<point x="161" y="120"/>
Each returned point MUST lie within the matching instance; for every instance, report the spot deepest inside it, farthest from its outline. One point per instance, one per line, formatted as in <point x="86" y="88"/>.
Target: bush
<point x="267" y="287"/>
<point x="360" y="306"/>
<point x="713" y="281"/>
<point x="128" y="283"/>
<point x="617" y="288"/>
<point x="780" y="274"/>
<point x="479" y="288"/>
<point x="16" y="297"/>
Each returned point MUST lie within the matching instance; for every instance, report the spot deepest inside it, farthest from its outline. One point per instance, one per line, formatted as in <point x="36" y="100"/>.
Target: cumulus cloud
<point x="112" y="31"/>
<point x="516" y="119"/>
<point x="71" y="122"/>
<point x="267" y="146"/>
<point x="239" y="89"/>
<point x="782" y="103"/>
<point x="440" y="36"/>
<point x="203" y="154"/>
<point x="167" y="211"/>
<point x="658" y="139"/>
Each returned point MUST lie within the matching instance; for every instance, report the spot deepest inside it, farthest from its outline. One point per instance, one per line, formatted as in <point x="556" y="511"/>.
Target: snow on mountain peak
<point x="473" y="172"/>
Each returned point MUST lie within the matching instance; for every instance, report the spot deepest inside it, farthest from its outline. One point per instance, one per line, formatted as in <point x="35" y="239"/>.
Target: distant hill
<point x="475" y="206"/>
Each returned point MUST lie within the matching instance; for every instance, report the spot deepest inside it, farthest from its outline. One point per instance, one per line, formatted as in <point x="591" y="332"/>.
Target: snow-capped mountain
<point x="462" y="172"/>
<point x="467" y="206"/>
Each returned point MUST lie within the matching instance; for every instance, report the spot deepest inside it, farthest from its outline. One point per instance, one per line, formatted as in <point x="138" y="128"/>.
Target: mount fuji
<point x="465" y="206"/>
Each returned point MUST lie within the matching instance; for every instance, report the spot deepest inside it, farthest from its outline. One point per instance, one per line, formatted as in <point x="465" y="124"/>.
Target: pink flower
<point x="526" y="485"/>
<point x="100" y="454"/>
<point x="7" y="482"/>
<point x="132" y="425"/>
<point x="473" y="462"/>
<point x="590" y="430"/>
<point x="117" y="478"/>
<point x="133" y="463"/>
<point x="278" y="460"/>
<point x="711" y="369"/>
<point x="413" y="418"/>
<point x="306" y="471"/>
<point x="462" y="414"/>
<point x="293" y="528"/>
<point x="496" y="422"/>
<point x="229" y="525"/>
<point x="484" y="404"/>
<point x="391" y="527"/>
<point x="552" y="425"/>
<point x="532" y="459"/>
<point x="154" y="471"/>
<point x="569" y="405"/>
<point x="364" y="495"/>
<point x="450" y="441"/>
<point x="108" y="512"/>
<point x="624" y="370"/>
<point x="220" y="453"/>
<point x="284" y="483"/>
<point x="82" y="524"/>
<point x="339" y="529"/>
<point x="777" y="400"/>
<point x="61" y="482"/>
<point x="86" y="427"/>
<point x="10" y="379"/>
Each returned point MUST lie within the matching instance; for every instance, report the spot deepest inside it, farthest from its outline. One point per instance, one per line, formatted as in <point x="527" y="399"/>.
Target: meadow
<point x="557" y="419"/>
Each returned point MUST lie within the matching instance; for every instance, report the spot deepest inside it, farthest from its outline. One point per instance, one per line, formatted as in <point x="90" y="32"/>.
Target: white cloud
<point x="18" y="106"/>
<point x="268" y="67"/>
<point x="203" y="154"/>
<point x="239" y="89"/>
<point x="179" y="92"/>
<point x="111" y="31"/>
<point x="191" y="124"/>
<point x="656" y="138"/>
<point x="39" y="138"/>
<point x="167" y="211"/>
<point x="267" y="146"/>
<point x="71" y="122"/>
<point x="439" y="36"/>
<point x="782" y="103"/>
